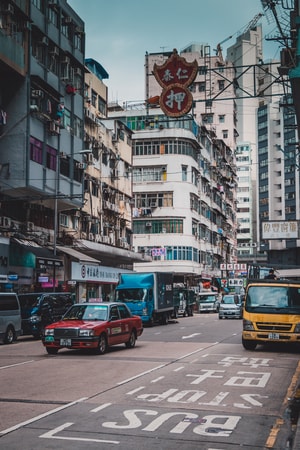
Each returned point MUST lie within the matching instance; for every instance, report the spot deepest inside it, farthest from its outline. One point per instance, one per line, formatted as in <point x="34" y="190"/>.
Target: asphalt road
<point x="188" y="385"/>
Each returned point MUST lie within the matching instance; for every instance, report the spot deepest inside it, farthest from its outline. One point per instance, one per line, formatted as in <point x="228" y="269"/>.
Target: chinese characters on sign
<point x="280" y="230"/>
<point x="175" y="75"/>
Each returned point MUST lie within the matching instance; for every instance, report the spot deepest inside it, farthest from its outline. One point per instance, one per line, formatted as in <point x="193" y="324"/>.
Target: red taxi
<point x="93" y="326"/>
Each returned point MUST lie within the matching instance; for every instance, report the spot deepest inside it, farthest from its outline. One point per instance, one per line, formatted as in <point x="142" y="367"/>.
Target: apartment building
<point x="58" y="160"/>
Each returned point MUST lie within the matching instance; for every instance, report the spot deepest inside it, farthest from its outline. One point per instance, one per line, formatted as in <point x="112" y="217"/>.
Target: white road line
<point x="158" y="367"/>
<point x="17" y="364"/>
<point x="178" y="369"/>
<point x="190" y="336"/>
<point x="50" y="435"/>
<point x="135" y="390"/>
<point x="99" y="408"/>
<point x="157" y="379"/>
<point x="41" y="416"/>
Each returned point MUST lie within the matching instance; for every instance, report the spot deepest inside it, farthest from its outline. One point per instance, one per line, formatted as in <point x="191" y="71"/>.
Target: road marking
<point x="178" y="369"/>
<point x="99" y="408"/>
<point x="135" y="390"/>
<point x="157" y="379"/>
<point x="41" y="416"/>
<point x="50" y="435"/>
<point x="158" y="367"/>
<point x="17" y="364"/>
<point x="191" y="336"/>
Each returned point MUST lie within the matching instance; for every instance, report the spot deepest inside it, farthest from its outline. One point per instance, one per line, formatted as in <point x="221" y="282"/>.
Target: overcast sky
<point x="120" y="32"/>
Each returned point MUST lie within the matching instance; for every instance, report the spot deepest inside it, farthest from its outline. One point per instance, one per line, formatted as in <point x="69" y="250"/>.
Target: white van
<point x="207" y="301"/>
<point x="10" y="317"/>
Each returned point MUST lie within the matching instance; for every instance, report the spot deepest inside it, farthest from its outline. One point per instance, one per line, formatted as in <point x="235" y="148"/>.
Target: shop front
<point x="95" y="282"/>
<point x="36" y="268"/>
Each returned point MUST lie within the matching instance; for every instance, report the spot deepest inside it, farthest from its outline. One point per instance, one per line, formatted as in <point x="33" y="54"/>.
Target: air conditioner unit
<point x="9" y="9"/>
<point x="5" y="222"/>
<point x="67" y="20"/>
<point x="45" y="41"/>
<point x="53" y="128"/>
<point x="98" y="238"/>
<point x="80" y="166"/>
<point x="105" y="239"/>
<point x="30" y="226"/>
<point x="78" y="30"/>
<point x="148" y="224"/>
<point x="65" y="60"/>
<point x="54" y="51"/>
<point x="78" y="72"/>
<point x="90" y="158"/>
<point x="52" y="3"/>
<point x="37" y="93"/>
<point x="91" y="236"/>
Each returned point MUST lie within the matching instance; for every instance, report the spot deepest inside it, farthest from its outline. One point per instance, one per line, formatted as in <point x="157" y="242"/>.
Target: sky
<point x="120" y="32"/>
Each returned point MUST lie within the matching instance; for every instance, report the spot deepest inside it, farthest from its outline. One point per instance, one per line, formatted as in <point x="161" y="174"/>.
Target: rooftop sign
<point x="174" y="76"/>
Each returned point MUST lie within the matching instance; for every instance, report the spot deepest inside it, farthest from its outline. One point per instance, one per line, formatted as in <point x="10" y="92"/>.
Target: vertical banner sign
<point x="174" y="76"/>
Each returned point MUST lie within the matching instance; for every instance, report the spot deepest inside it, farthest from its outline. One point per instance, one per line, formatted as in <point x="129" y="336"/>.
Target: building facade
<point x="65" y="217"/>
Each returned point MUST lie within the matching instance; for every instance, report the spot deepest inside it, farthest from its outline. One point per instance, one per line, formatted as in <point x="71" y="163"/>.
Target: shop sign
<point x="92" y="272"/>
<point x="174" y="76"/>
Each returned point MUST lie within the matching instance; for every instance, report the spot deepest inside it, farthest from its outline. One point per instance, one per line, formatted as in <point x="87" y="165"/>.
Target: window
<point x="153" y="199"/>
<point x="184" y="173"/>
<point x="201" y="86"/>
<point x="221" y="84"/>
<point x="94" y="98"/>
<point x="51" y="158"/>
<point x="225" y="134"/>
<point x="221" y="118"/>
<point x="36" y="150"/>
<point x="63" y="220"/>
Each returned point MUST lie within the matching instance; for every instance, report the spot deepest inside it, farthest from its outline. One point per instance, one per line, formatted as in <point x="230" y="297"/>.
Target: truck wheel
<point x="249" y="345"/>
<point x="151" y="322"/>
<point x="164" y="319"/>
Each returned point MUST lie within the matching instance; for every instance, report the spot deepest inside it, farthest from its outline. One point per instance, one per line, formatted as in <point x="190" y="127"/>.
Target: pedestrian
<point x="271" y="275"/>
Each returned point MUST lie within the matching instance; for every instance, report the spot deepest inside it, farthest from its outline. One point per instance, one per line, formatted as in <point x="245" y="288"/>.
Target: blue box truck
<point x="148" y="295"/>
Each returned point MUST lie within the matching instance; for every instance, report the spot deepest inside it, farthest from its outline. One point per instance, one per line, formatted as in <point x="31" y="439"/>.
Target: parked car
<point x="94" y="326"/>
<point x="39" y="309"/>
<point x="10" y="317"/>
<point x="231" y="306"/>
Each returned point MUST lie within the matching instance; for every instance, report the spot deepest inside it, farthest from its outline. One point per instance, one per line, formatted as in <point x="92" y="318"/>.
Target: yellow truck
<point x="271" y="312"/>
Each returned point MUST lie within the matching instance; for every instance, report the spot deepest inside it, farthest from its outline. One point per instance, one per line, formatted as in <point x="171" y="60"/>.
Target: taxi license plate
<point x="273" y="335"/>
<point x="65" y="342"/>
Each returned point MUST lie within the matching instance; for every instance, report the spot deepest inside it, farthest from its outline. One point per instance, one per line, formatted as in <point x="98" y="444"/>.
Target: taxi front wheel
<point x="102" y="344"/>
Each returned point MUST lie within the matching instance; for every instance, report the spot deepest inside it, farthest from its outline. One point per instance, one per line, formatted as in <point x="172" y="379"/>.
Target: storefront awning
<point x="80" y="257"/>
<point x="44" y="256"/>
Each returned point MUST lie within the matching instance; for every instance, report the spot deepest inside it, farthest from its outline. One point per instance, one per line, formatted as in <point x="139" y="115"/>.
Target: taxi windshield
<point x="87" y="312"/>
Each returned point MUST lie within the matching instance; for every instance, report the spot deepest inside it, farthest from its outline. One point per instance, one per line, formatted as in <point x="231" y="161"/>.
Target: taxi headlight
<point x="49" y="332"/>
<point x="247" y="325"/>
<point x="86" y="333"/>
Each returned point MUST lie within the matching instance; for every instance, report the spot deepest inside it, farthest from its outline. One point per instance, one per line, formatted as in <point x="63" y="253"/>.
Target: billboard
<point x="280" y="229"/>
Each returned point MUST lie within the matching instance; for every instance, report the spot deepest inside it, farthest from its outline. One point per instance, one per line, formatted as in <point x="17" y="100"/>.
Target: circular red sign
<point x="176" y="100"/>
